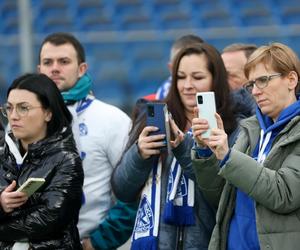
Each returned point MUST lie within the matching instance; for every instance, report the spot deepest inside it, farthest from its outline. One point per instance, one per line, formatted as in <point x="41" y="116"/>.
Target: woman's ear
<point x="293" y="80"/>
<point x="48" y="115"/>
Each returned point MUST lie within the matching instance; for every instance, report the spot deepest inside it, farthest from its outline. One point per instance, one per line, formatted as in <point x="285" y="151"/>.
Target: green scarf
<point x="80" y="90"/>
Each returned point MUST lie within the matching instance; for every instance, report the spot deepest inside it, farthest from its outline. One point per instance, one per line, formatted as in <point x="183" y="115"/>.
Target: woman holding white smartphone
<point x="39" y="144"/>
<point x="173" y="213"/>
<point x="257" y="182"/>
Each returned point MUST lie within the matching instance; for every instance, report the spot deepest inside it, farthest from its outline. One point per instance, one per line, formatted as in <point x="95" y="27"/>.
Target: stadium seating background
<point x="128" y="41"/>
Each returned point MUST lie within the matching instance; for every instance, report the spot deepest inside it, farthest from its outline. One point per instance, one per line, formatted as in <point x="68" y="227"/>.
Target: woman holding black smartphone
<point x="173" y="213"/>
<point x="39" y="145"/>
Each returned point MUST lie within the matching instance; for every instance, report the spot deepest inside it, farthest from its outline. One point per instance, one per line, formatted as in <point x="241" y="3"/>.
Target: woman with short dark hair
<point x="39" y="144"/>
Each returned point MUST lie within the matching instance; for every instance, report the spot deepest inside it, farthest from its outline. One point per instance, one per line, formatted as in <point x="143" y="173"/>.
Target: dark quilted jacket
<point x="48" y="219"/>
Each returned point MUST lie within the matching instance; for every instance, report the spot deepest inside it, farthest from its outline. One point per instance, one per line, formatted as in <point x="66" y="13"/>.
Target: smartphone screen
<point x="207" y="109"/>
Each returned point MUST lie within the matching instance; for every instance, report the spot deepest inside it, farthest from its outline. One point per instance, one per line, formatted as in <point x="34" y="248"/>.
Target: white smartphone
<point x="31" y="185"/>
<point x="207" y="109"/>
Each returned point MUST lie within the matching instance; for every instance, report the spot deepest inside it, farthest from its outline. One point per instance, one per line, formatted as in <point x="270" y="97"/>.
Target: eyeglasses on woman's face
<point x="22" y="109"/>
<point x="260" y="82"/>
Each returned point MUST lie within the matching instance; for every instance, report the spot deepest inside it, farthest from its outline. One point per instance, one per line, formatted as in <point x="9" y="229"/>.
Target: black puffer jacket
<point x="48" y="219"/>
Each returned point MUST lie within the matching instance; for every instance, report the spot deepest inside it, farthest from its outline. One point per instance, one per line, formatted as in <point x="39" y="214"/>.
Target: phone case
<point x="157" y="115"/>
<point x="31" y="185"/>
<point x="207" y="109"/>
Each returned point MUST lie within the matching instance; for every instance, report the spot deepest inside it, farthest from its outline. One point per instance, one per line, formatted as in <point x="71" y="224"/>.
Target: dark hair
<point x="248" y="49"/>
<point x="220" y="86"/>
<point x="182" y="42"/>
<point x="49" y="97"/>
<point x="61" y="38"/>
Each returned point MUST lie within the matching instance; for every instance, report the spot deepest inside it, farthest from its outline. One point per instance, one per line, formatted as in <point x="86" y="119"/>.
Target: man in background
<point x="101" y="132"/>
<point x="235" y="57"/>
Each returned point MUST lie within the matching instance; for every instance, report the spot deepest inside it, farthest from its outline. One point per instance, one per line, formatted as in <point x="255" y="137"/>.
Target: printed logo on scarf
<point x="144" y="217"/>
<point x="182" y="188"/>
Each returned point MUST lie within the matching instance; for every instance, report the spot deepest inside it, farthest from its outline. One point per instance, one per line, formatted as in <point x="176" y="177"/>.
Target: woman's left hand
<point x="178" y="134"/>
<point x="218" y="142"/>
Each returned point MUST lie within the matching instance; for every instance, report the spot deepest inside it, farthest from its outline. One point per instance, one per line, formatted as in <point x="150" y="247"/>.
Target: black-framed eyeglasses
<point x="260" y="82"/>
<point x="22" y="109"/>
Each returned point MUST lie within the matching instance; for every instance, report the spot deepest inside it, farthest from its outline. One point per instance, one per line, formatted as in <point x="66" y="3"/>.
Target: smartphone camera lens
<point x="200" y="99"/>
<point x="151" y="111"/>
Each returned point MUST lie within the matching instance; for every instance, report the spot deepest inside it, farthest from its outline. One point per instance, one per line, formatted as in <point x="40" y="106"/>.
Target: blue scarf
<point x="145" y="232"/>
<point x="80" y="90"/>
<point x="180" y="198"/>
<point x="179" y="207"/>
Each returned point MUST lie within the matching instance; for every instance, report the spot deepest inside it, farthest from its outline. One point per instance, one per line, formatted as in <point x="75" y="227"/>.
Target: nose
<point x="188" y="83"/>
<point x="256" y="91"/>
<point x="55" y="67"/>
<point x="14" y="114"/>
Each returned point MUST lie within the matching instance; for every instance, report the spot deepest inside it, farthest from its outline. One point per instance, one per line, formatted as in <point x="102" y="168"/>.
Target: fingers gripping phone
<point x="207" y="109"/>
<point x="157" y="116"/>
<point x="31" y="185"/>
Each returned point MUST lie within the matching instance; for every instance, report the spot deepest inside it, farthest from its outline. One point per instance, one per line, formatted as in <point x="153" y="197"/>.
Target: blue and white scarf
<point x="178" y="208"/>
<point x="180" y="198"/>
<point x="147" y="219"/>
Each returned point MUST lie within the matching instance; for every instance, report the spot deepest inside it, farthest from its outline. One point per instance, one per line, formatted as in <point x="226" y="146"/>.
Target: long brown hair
<point x="220" y="86"/>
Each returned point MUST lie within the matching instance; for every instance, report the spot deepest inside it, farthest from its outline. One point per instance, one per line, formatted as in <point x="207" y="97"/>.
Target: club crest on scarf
<point x="144" y="217"/>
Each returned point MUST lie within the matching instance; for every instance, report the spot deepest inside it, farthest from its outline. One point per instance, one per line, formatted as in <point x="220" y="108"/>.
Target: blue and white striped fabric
<point x="180" y="198"/>
<point x="179" y="208"/>
<point x="145" y="231"/>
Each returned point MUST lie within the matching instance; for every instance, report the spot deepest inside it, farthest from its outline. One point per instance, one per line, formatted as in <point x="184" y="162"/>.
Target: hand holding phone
<point x="31" y="185"/>
<point x="207" y="109"/>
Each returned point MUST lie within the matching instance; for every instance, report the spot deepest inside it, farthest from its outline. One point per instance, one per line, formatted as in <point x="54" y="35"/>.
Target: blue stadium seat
<point x="180" y="19"/>
<point x="140" y="20"/>
<point x="132" y="15"/>
<point x="171" y="14"/>
<point x="54" y="16"/>
<point x="94" y="15"/>
<point x="290" y="14"/>
<point x="254" y="16"/>
<point x="217" y="17"/>
<point x="9" y="17"/>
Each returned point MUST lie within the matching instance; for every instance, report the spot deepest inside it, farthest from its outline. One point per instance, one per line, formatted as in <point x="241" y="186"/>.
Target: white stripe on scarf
<point x="263" y="143"/>
<point x="147" y="220"/>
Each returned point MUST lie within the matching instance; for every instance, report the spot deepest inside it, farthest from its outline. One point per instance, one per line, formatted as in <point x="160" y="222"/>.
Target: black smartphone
<point x="157" y="115"/>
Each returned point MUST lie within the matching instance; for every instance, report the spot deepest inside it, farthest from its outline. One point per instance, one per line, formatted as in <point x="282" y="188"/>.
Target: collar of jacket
<point x="56" y="142"/>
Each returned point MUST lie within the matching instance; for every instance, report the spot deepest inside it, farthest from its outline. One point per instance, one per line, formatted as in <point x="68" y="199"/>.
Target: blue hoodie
<point x="242" y="232"/>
